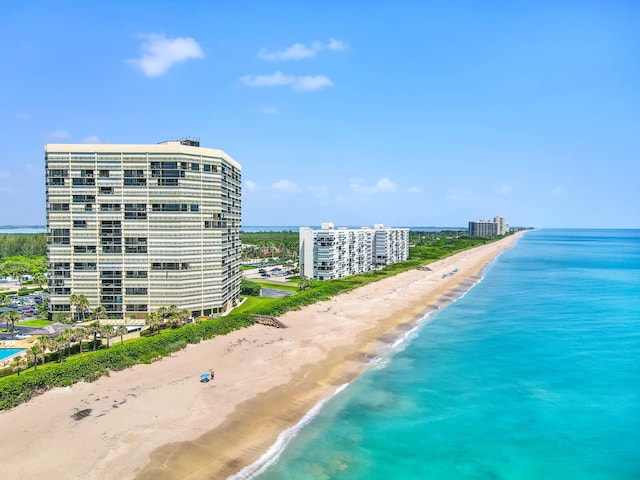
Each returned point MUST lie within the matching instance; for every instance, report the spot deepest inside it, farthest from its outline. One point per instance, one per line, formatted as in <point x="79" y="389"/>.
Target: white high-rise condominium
<point x="137" y="227"/>
<point x="329" y="253"/>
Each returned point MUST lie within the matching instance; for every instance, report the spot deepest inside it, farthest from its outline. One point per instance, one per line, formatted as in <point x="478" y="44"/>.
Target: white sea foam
<point x="271" y="456"/>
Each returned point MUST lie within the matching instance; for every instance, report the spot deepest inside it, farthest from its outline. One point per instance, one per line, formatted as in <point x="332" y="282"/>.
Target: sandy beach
<point x="159" y="422"/>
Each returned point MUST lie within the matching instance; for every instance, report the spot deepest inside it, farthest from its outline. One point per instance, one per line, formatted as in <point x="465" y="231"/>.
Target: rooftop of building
<point x="187" y="146"/>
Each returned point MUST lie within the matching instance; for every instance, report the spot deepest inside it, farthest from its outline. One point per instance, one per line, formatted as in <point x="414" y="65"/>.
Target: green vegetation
<point x="23" y="244"/>
<point x="267" y="246"/>
<point x="276" y="285"/>
<point x="16" y="389"/>
<point x="19" y="387"/>
<point x="35" y="323"/>
<point x="253" y="304"/>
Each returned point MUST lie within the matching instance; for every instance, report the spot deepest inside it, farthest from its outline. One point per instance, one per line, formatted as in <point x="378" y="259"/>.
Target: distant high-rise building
<point x="137" y="227"/>
<point x="488" y="228"/>
<point x="329" y="253"/>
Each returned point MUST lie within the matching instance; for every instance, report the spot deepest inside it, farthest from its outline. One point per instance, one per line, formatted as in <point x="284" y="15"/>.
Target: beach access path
<point x="158" y="421"/>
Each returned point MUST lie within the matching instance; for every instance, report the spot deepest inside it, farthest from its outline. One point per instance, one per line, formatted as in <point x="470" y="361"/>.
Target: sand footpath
<point x="159" y="422"/>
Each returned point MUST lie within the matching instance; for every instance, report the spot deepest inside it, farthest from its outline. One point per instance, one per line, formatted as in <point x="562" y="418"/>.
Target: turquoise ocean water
<point x="533" y="374"/>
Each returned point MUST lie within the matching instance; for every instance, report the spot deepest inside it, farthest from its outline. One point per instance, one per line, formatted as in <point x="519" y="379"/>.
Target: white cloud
<point x="59" y="134"/>
<point x="278" y="79"/>
<point x="300" y="51"/>
<point x="336" y="45"/>
<point x="297" y="51"/>
<point x="386" y="185"/>
<point x="91" y="139"/>
<point x="414" y="190"/>
<point x="22" y="116"/>
<point x="358" y="186"/>
<point x="250" y="186"/>
<point x="503" y="189"/>
<point x="285" y="185"/>
<point x="459" y="194"/>
<point x="160" y="53"/>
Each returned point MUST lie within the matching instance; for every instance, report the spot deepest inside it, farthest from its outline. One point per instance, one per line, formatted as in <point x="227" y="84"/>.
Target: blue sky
<point x="407" y="113"/>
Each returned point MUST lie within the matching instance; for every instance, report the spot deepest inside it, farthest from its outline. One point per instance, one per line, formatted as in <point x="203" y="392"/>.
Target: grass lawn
<point x="277" y="285"/>
<point x="251" y="303"/>
<point x="34" y="323"/>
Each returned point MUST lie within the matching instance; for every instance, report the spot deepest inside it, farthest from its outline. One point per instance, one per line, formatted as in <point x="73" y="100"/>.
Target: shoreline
<point x="157" y="421"/>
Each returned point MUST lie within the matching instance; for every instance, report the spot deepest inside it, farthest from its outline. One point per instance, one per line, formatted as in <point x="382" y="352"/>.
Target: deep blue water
<point x="533" y="374"/>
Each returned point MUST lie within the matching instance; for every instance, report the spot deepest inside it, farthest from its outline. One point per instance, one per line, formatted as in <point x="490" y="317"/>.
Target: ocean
<point x="534" y="373"/>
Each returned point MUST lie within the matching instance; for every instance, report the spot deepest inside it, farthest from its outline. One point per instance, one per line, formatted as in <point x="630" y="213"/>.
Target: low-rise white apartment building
<point x="137" y="227"/>
<point x="329" y="253"/>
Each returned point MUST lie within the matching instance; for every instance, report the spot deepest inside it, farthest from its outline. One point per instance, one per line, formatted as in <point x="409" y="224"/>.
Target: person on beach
<point x="211" y="372"/>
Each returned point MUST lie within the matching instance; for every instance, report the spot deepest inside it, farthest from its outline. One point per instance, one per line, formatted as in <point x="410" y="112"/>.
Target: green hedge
<point x="92" y="365"/>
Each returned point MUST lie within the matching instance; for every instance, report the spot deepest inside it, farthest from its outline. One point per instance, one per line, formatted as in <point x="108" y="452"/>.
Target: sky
<point x="407" y="113"/>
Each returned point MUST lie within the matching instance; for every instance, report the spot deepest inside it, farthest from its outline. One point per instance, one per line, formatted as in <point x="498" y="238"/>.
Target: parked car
<point x="20" y="336"/>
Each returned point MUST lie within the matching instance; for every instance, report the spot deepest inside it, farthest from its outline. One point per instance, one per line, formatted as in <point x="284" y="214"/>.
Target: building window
<point x="84" y="199"/>
<point x="78" y="182"/>
<point x="168" y="182"/>
<point x="59" y="207"/>
<point x="57" y="173"/>
<point x="84" y="249"/>
<point x="84" y="266"/>
<point x="136" y="308"/>
<point x="109" y="207"/>
<point x="60" y="236"/>
<point x="137" y="274"/>
<point x="106" y="190"/>
<point x="79" y="224"/>
<point x="103" y="173"/>
<point x="169" y="266"/>
<point x="135" y="245"/>
<point x="136" y="290"/>
<point x="195" y="167"/>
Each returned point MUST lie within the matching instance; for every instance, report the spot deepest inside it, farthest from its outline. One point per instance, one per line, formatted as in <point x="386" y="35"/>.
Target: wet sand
<point x="159" y="422"/>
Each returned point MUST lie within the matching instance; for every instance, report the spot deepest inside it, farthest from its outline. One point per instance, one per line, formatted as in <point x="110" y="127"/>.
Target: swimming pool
<point x="9" y="352"/>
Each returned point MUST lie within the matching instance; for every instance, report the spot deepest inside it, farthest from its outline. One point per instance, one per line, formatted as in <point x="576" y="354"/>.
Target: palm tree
<point x="63" y="317"/>
<point x="39" y="279"/>
<point x="121" y="331"/>
<point x="18" y="364"/>
<point x="73" y="301"/>
<point x="99" y="313"/>
<point x="108" y="332"/>
<point x="152" y="320"/>
<point x="5" y="316"/>
<point x="94" y="329"/>
<point x="59" y="344"/>
<point x="46" y="343"/>
<point x="83" y="306"/>
<point x="12" y="318"/>
<point x="75" y="335"/>
<point x="34" y="353"/>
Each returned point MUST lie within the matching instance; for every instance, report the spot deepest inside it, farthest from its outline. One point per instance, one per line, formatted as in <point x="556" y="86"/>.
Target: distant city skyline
<point x="405" y="113"/>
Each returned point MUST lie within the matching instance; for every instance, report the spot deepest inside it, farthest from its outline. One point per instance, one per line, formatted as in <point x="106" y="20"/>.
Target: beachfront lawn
<point x="276" y="285"/>
<point x="252" y="303"/>
<point x="37" y="322"/>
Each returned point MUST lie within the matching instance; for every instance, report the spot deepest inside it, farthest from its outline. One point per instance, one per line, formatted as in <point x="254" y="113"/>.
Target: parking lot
<point x="276" y="273"/>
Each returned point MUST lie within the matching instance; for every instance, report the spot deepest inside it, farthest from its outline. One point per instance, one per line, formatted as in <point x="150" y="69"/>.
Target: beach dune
<point x="159" y="421"/>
